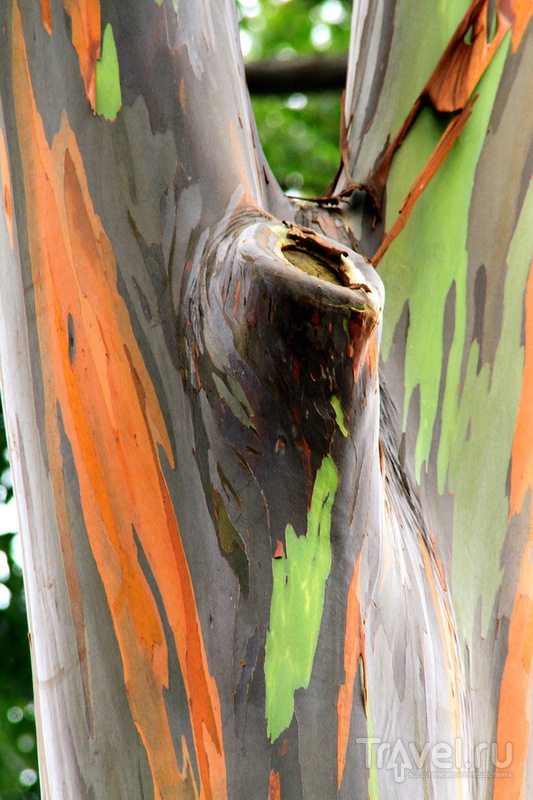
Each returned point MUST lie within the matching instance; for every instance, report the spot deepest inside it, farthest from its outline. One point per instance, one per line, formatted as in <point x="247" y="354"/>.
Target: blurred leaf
<point x="297" y="141"/>
<point x="281" y="28"/>
<point x="18" y="750"/>
<point x="302" y="141"/>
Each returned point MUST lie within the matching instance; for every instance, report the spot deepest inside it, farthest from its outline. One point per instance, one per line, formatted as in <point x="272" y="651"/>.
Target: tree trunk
<point x="250" y="573"/>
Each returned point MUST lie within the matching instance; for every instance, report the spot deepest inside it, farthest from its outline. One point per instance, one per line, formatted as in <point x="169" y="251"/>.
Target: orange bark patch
<point x="522" y="10"/>
<point x="372" y="357"/>
<point x="471" y="50"/>
<point x="94" y="374"/>
<point x="46" y="15"/>
<point x="353" y="648"/>
<point x="274" y="787"/>
<point x="6" y="186"/>
<point x="515" y="691"/>
<point x="522" y="454"/>
<point x="86" y="38"/>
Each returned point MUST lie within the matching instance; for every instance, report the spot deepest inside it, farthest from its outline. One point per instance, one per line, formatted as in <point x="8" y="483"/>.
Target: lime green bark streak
<point x="297" y="603"/>
<point x="429" y="257"/>
<point x="339" y="415"/>
<point x="484" y="423"/>
<point x="108" y="95"/>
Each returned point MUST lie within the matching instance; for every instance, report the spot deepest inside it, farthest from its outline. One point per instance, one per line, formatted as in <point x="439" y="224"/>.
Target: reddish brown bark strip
<point x="456" y="75"/>
<point x="463" y="62"/>
<point x="274" y="789"/>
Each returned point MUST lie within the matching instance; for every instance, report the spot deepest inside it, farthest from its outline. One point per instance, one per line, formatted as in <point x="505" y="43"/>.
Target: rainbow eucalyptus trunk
<point x="254" y="568"/>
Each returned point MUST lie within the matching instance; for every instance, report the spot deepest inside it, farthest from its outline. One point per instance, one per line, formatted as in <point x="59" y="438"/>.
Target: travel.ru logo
<point x="441" y="759"/>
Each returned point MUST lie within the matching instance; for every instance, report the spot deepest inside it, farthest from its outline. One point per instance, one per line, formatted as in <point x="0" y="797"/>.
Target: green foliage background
<point x="300" y="134"/>
<point x="18" y="751"/>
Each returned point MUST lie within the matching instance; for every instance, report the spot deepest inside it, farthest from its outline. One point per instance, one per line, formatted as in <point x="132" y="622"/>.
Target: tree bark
<point x="247" y="575"/>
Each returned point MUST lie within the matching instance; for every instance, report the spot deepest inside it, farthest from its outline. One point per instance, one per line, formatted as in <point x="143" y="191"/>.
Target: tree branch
<point x="320" y="74"/>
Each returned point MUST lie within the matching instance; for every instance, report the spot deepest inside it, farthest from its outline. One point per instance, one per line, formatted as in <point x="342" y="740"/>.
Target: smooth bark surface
<point x="245" y="558"/>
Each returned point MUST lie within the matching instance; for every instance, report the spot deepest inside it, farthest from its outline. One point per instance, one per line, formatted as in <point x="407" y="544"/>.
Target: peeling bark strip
<point x="446" y="142"/>
<point x="469" y="53"/>
<point x="467" y="56"/>
<point x="522" y="462"/>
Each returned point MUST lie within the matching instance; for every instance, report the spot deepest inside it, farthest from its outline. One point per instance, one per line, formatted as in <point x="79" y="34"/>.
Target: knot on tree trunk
<point x="282" y="337"/>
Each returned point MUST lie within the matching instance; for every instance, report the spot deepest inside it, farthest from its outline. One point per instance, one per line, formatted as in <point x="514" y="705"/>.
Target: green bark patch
<point x="297" y="603"/>
<point x="108" y="94"/>
<point x="481" y="501"/>
<point x="428" y="256"/>
<point x="420" y="268"/>
<point x="339" y="415"/>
